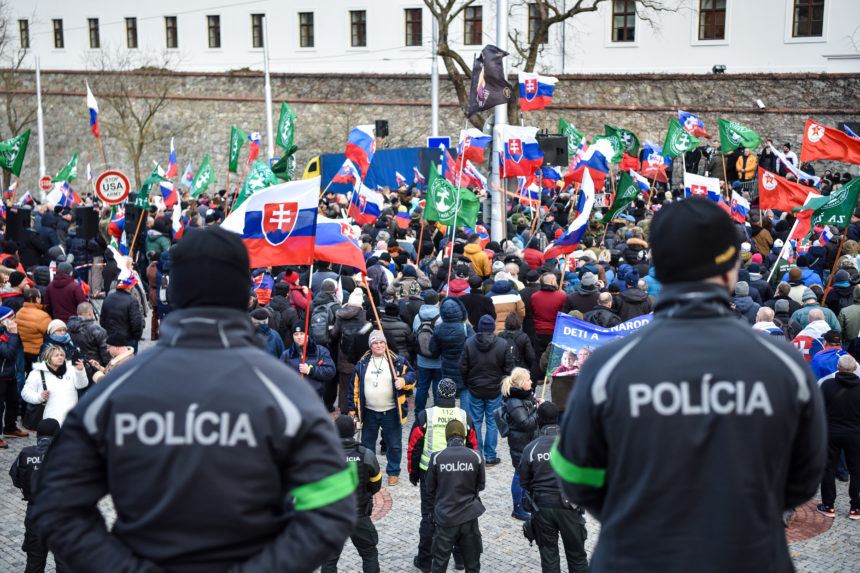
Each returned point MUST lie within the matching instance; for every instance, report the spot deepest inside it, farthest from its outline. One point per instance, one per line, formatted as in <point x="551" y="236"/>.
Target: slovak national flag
<point x="348" y="173"/>
<point x="536" y="91"/>
<point x="169" y="194"/>
<point x="701" y="186"/>
<point x="25" y="198"/>
<point x="360" y="146"/>
<point x="472" y="144"/>
<point x="418" y="178"/>
<point x="399" y="179"/>
<point x="337" y="243"/>
<point x="403" y="219"/>
<point x="93" y="105"/>
<point x="116" y="227"/>
<point x="641" y="182"/>
<point x="278" y="224"/>
<point x="654" y="163"/>
<point x="597" y="156"/>
<point x="571" y="238"/>
<point x="365" y="206"/>
<point x="692" y="124"/>
<point x="253" y="146"/>
<point x="522" y="154"/>
<point x="740" y="208"/>
<point x="10" y="191"/>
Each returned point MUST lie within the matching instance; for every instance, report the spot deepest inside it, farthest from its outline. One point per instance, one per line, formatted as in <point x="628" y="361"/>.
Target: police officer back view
<point x="688" y="438"/>
<point x="426" y="437"/>
<point x="551" y="513"/>
<point x="24" y="472"/>
<point x="364" y="535"/>
<point x="218" y="457"/>
<point x="455" y="477"/>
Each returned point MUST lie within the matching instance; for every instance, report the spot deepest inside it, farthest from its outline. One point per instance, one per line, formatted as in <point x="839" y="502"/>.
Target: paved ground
<point x="505" y="549"/>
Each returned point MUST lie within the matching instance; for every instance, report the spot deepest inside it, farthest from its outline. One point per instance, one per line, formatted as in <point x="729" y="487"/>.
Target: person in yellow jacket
<point x="746" y="166"/>
<point x="479" y="258"/>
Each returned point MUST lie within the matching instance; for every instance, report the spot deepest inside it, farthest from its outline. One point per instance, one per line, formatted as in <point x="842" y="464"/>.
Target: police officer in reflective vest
<point x="24" y="472"/>
<point x="426" y="437"/>
<point x="552" y="514"/>
<point x="688" y="438"/>
<point x="455" y="478"/>
<point x="363" y="535"/>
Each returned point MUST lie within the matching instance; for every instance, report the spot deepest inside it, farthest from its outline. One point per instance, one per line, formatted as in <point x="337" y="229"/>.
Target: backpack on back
<point x="424" y="336"/>
<point x="322" y="319"/>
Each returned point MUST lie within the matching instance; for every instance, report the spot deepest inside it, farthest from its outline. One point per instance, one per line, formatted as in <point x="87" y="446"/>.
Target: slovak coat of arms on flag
<point x="531" y="87"/>
<point x="700" y="190"/>
<point x="515" y="149"/>
<point x="279" y="219"/>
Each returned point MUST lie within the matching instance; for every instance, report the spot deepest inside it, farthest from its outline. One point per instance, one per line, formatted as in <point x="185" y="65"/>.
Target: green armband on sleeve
<point x="327" y="490"/>
<point x="572" y="473"/>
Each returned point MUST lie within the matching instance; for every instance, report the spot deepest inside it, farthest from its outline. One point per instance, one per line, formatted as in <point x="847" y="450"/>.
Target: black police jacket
<point x="455" y="477"/>
<point x="27" y="466"/>
<point x="689" y="438"/>
<point x="369" y="474"/>
<point x="217" y="457"/>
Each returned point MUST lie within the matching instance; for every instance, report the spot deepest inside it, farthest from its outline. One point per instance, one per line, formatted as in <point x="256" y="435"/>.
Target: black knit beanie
<point x="209" y="267"/>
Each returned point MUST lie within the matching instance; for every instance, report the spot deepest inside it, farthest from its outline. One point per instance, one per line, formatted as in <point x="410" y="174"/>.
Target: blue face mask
<point x="61" y="339"/>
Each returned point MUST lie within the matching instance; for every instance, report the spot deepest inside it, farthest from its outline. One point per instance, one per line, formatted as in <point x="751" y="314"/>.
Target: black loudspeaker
<point x="132" y="213"/>
<point x="17" y="220"/>
<point x="381" y="128"/>
<point x="554" y="149"/>
<point x="87" y="222"/>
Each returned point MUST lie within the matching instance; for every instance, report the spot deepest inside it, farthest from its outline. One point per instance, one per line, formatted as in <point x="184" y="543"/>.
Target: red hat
<point x="756" y="258"/>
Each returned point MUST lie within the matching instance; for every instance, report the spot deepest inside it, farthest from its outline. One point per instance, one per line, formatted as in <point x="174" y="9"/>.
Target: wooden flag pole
<point x="307" y="319"/>
<point x="102" y="150"/>
<point x="842" y="239"/>
<point x="379" y="323"/>
<point x="726" y="178"/>
<point x="143" y="214"/>
<point x="420" y="240"/>
<point x="651" y="191"/>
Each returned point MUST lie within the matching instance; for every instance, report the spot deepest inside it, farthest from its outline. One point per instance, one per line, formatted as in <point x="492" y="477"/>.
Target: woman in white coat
<point x="62" y="380"/>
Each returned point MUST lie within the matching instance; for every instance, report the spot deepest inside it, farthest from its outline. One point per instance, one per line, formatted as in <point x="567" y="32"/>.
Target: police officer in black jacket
<point x="688" y="438"/>
<point x="364" y="535"/>
<point x="24" y="472"/>
<point x="552" y="514"/>
<point x="455" y="479"/>
<point x="218" y="457"/>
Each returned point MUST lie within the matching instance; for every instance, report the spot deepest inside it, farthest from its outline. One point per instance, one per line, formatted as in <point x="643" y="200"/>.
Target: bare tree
<point x="525" y="47"/>
<point x="20" y="109"/>
<point x="133" y="91"/>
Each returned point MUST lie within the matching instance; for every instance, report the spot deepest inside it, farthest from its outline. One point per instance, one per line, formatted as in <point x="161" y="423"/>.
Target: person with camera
<point x="54" y="382"/>
<point x="551" y="514"/>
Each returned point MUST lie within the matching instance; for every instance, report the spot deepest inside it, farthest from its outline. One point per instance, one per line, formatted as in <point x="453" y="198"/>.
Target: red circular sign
<point x="112" y="187"/>
<point x="45" y="183"/>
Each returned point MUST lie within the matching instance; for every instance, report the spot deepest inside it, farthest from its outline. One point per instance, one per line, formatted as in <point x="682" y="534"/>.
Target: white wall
<point x="758" y="37"/>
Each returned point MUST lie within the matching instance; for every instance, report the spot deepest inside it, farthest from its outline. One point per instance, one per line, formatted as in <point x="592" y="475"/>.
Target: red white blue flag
<point x="365" y="205"/>
<point x="348" y="173"/>
<point x="418" y="178"/>
<point x="740" y="208"/>
<point x="536" y="91"/>
<point x="168" y="193"/>
<point x="25" y="199"/>
<point x="187" y="176"/>
<point x="571" y="238"/>
<point x="253" y="147"/>
<point x="360" y="146"/>
<point x="399" y="178"/>
<point x="522" y="154"/>
<point x="278" y="224"/>
<point x="692" y="124"/>
<point x="172" y="167"/>
<point x="337" y="243"/>
<point x="472" y="144"/>
<point x="93" y="106"/>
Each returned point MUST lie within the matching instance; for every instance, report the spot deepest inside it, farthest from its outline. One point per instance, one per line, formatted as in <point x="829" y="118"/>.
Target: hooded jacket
<point x="398" y="335"/>
<point x="318" y="358"/>
<point x="521" y="410"/>
<point x="477" y="305"/>
<point x="634" y="302"/>
<point x="849" y="320"/>
<point x="63" y="296"/>
<point x="485" y="360"/>
<point x="157" y="242"/>
<point x="746" y="307"/>
<point x="238" y="417"/>
<point x="506" y="301"/>
<point x="90" y="338"/>
<point x="629" y="435"/>
<point x="602" y="316"/>
<point x="842" y="403"/>
<point x="522" y="347"/>
<point x="582" y="299"/>
<point x="480" y="260"/>
<point x="32" y="326"/>
<point x="449" y="337"/>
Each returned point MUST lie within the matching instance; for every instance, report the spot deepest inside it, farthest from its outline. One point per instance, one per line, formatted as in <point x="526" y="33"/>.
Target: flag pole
<point x="782" y="251"/>
<point x="457" y="207"/>
<point x="379" y="322"/>
<point x="420" y="240"/>
<point x="104" y="154"/>
<point x="842" y="238"/>
<point x="308" y="316"/>
<point x="140" y="218"/>
<point x="726" y="177"/>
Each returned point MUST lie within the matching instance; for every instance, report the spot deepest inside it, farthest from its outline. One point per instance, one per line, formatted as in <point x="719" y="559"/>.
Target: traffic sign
<point x="45" y="183"/>
<point x="437" y="142"/>
<point x="112" y="187"/>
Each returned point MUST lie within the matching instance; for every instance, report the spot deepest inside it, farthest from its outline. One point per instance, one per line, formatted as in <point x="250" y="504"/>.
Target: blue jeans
<point x="428" y="379"/>
<point x="479" y="409"/>
<point x="389" y="423"/>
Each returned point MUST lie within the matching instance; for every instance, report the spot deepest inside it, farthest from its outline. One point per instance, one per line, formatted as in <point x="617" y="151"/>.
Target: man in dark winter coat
<point x="634" y="299"/>
<point x="584" y="296"/>
<point x="521" y="344"/>
<point x="752" y="397"/>
<point x="350" y="338"/>
<point x="603" y="315"/>
<point x="449" y="337"/>
<point x="782" y="293"/>
<point x="842" y="293"/>
<point x="25" y="473"/>
<point x="273" y="466"/>
<point x="270" y="340"/>
<point x="317" y="368"/>
<point x="757" y="281"/>
<point x="64" y="294"/>
<point x="552" y="514"/>
<point x="397" y="333"/>
<point x="526" y="293"/>
<point x="31" y="249"/>
<point x="842" y="402"/>
<point x="121" y="314"/>
<point x="744" y="304"/>
<point x="88" y="335"/>
<point x="476" y="302"/>
<point x="363" y="535"/>
<point x="285" y="315"/>
<point x="485" y="360"/>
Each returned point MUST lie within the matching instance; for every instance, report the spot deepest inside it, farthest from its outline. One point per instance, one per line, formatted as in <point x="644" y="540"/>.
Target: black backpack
<point x="322" y="319"/>
<point x="424" y="336"/>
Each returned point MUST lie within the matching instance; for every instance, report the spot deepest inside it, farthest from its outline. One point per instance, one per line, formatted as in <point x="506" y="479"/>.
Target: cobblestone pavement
<point x="505" y="549"/>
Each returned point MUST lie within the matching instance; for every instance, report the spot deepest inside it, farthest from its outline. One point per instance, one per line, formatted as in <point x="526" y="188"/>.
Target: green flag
<point x="628" y="139"/>
<point x="574" y="136"/>
<point x="70" y="171"/>
<point x="260" y="177"/>
<point x="839" y="206"/>
<point x="627" y="192"/>
<point x="678" y="140"/>
<point x="142" y="200"/>
<point x="617" y="146"/>
<point x="734" y="135"/>
<point x="12" y="152"/>
<point x="286" y="127"/>
<point x="285" y="167"/>
<point x="204" y="177"/>
<point x="237" y="140"/>
<point x="442" y="198"/>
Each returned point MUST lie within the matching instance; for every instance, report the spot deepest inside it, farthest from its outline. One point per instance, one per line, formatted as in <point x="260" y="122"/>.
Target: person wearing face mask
<point x="650" y="425"/>
<point x="58" y="335"/>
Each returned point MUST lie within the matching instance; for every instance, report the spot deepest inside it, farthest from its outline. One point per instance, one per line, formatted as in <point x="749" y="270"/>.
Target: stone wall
<point x="201" y="108"/>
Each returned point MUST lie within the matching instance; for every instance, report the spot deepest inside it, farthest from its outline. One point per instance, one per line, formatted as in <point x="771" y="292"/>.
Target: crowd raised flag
<point x="789" y="165"/>
<point x="237" y="140"/>
<point x="69" y="172"/>
<point x="678" y="140"/>
<point x="337" y="243"/>
<point x="571" y="238"/>
<point x="360" y="147"/>
<point x="172" y="167"/>
<point x="93" y="106"/>
<point x="822" y="142"/>
<point x="447" y="203"/>
<point x="521" y="153"/>
<point x="12" y="152"/>
<point x="204" y="177"/>
<point x="348" y="173"/>
<point x="418" y="178"/>
<point x="734" y="135"/>
<point x="489" y="84"/>
<point x="629" y="140"/>
<point x="778" y="193"/>
<point x="701" y="186"/>
<point x="365" y="205"/>
<point x="693" y="124"/>
<point x="253" y="147"/>
<point x="536" y="91"/>
<point x="472" y="144"/>
<point x="626" y="192"/>
<point x="740" y="208"/>
<point x="187" y="175"/>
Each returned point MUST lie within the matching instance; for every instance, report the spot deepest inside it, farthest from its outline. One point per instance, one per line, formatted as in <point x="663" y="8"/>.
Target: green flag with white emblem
<point x="734" y="135"/>
<point x="628" y="139"/>
<point x="70" y="172"/>
<point x="626" y="194"/>
<point x="678" y="140"/>
<point x="442" y="198"/>
<point x="260" y="177"/>
<point x="204" y="177"/>
<point x="237" y="140"/>
<point x="12" y="152"/>
<point x="573" y="135"/>
<point x="286" y="127"/>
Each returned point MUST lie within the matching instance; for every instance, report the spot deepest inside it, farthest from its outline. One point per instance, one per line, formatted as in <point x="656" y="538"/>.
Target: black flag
<point x="489" y="86"/>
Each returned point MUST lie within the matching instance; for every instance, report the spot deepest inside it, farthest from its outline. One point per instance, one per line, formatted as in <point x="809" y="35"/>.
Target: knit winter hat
<point x="54" y="325"/>
<point x="455" y="428"/>
<point x="781" y="305"/>
<point x="329" y="285"/>
<point x="356" y="298"/>
<point x="808" y="295"/>
<point x="375" y="336"/>
<point x="742" y="288"/>
<point x="588" y="280"/>
<point x="6" y="312"/>
<point x="345" y="426"/>
<point x="841" y="278"/>
<point x="486" y="324"/>
<point x="447" y="388"/>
